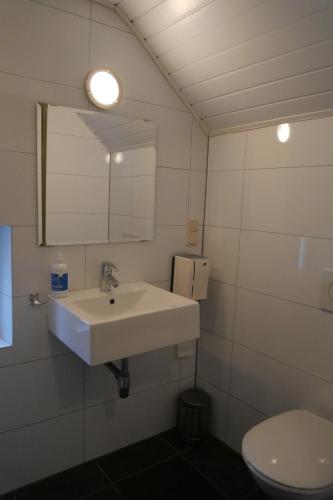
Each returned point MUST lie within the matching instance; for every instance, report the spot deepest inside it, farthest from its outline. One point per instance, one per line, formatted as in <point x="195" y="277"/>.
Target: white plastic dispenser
<point x="190" y="276"/>
<point x="59" y="277"/>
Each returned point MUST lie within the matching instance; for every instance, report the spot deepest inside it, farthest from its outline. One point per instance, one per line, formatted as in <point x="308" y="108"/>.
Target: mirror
<point x="96" y="176"/>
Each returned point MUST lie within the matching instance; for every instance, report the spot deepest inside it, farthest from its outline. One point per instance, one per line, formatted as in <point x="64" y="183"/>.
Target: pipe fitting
<point x="122" y="376"/>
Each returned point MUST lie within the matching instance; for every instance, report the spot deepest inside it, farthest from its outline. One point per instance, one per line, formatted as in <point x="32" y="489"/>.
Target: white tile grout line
<point x="202" y="253"/>
<point x="128" y="99"/>
<point x="37" y="422"/>
<point x="81" y="409"/>
<point x="235" y="297"/>
<point x="254" y="169"/>
<point x="297" y="235"/>
<point x="36" y="360"/>
<point x="278" y="297"/>
<point x="263" y="354"/>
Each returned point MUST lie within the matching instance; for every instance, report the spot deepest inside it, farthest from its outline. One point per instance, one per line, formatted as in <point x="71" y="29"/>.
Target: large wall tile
<point x="310" y="143"/>
<point x="31" y="338"/>
<point x="285" y="266"/>
<point x="148" y="84"/>
<point x="32" y="264"/>
<point x="111" y="426"/>
<point x="40" y="390"/>
<point x="147" y="370"/>
<point x="14" y="166"/>
<point x="298" y="335"/>
<point x="171" y="184"/>
<point x="224" y="199"/>
<point x="214" y="358"/>
<point x="241" y="418"/>
<point x="53" y="38"/>
<point x="31" y="453"/>
<point x="77" y="7"/>
<point x="186" y="383"/>
<point x="221" y="247"/>
<point x="196" y="206"/>
<point x="199" y="148"/>
<point x="288" y="201"/>
<point x="217" y="312"/>
<point x="227" y="152"/>
<point x="188" y="364"/>
<point x="143" y="261"/>
<point x="18" y="99"/>
<point x="273" y="387"/>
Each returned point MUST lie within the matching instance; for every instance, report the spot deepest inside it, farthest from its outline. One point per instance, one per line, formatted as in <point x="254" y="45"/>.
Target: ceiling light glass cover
<point x="103" y="88"/>
<point x="283" y="132"/>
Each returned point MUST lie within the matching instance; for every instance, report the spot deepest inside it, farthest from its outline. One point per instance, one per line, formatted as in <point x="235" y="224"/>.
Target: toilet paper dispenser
<point x="190" y="275"/>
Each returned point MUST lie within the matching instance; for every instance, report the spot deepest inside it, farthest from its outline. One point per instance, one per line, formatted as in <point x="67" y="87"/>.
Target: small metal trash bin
<point x="193" y="415"/>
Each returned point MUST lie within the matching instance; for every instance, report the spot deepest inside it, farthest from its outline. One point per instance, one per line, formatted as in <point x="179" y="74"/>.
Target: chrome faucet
<point x="107" y="280"/>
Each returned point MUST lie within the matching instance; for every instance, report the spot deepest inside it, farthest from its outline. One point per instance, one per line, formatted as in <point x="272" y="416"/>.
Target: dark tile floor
<point x="159" y="468"/>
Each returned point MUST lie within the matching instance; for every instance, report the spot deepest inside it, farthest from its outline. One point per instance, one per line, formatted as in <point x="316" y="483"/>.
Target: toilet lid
<point x="294" y="449"/>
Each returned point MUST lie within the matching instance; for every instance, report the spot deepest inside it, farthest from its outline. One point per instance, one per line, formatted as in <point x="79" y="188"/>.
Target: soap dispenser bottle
<point x="59" y="277"/>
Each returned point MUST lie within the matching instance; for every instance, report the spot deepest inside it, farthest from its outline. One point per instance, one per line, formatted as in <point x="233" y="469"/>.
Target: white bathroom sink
<point x="133" y="319"/>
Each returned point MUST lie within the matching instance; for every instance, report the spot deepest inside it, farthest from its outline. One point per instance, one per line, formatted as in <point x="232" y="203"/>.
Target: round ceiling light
<point x="103" y="88"/>
<point x="283" y="132"/>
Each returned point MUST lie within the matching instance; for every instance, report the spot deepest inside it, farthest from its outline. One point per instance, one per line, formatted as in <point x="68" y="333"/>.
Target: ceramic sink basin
<point x="133" y="319"/>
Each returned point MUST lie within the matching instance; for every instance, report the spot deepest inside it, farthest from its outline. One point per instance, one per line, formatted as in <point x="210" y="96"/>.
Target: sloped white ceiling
<point x="242" y="61"/>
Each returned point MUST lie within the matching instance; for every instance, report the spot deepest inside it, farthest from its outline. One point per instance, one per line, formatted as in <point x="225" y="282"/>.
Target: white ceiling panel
<point x="213" y="14"/>
<point x="167" y="13"/>
<point x="303" y="33"/>
<point x="241" y="61"/>
<point x="306" y="84"/>
<point x="267" y="112"/>
<point x="263" y="19"/>
<point x="291" y="64"/>
<point x="136" y="8"/>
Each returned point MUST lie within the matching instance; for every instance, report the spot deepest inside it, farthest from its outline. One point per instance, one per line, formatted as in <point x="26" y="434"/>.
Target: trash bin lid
<point x="194" y="398"/>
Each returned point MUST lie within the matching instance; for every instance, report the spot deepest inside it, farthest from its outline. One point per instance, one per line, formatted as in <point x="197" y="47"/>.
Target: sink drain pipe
<point x="122" y="376"/>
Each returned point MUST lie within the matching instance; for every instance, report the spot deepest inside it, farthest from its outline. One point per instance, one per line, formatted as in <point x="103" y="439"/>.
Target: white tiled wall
<point x="55" y="412"/>
<point x="267" y="347"/>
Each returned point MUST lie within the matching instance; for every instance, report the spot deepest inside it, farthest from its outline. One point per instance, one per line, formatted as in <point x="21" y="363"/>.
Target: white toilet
<point x="291" y="456"/>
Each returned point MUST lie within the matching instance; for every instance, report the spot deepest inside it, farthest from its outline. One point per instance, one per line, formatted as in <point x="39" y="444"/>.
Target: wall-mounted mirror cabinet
<point x="96" y="176"/>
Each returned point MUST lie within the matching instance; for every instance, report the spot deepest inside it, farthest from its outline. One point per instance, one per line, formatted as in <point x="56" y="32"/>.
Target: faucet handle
<point x="113" y="267"/>
<point x="107" y="267"/>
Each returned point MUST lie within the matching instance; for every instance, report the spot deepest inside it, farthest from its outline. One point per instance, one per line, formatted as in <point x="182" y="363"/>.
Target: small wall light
<point x="283" y="132"/>
<point x="103" y="88"/>
<point x="118" y="158"/>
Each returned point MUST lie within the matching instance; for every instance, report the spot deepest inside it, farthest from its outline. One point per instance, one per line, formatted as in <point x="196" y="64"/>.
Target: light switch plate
<point x="326" y="292"/>
<point x="192" y="233"/>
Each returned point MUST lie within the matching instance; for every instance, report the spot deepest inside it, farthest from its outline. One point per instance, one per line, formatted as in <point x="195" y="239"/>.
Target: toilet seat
<point x="294" y="450"/>
<point x="289" y="492"/>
